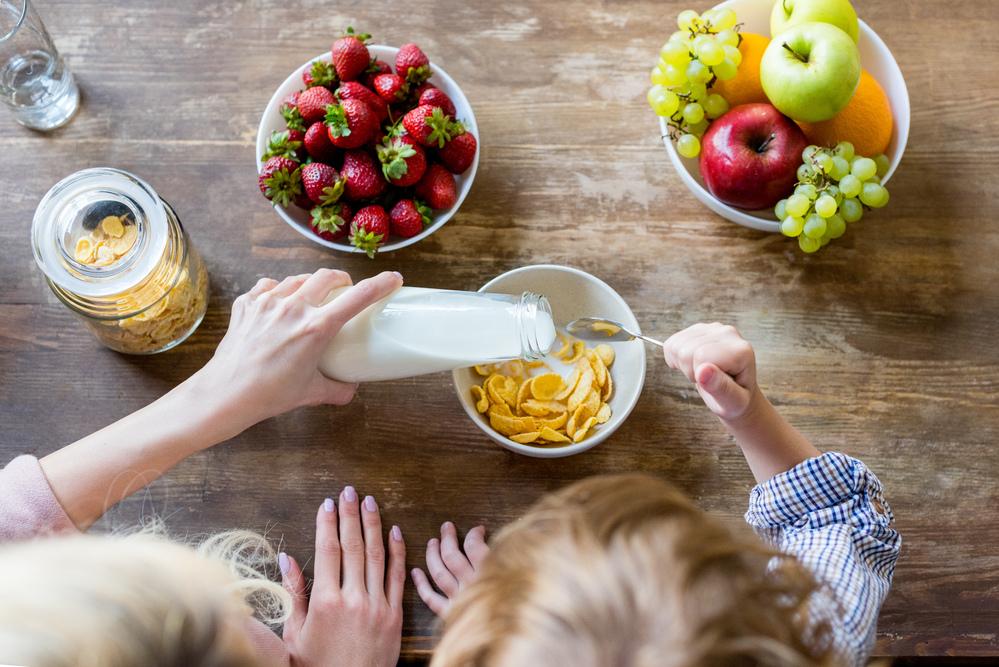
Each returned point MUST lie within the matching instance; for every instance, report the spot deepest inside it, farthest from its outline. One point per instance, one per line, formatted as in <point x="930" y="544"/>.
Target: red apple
<point x="750" y="156"/>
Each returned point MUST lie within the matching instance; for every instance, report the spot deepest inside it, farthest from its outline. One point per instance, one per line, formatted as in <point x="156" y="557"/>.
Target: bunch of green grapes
<point x="834" y="187"/>
<point x="704" y="49"/>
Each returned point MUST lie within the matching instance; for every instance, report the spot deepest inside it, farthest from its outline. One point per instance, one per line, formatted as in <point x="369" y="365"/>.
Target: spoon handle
<point x="657" y="343"/>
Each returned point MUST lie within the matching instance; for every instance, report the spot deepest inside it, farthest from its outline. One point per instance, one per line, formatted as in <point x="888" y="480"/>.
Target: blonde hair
<point x="626" y="571"/>
<point x="138" y="599"/>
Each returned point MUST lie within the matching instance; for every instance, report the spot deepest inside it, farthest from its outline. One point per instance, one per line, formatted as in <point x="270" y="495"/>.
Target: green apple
<point x="810" y="71"/>
<point x="788" y="13"/>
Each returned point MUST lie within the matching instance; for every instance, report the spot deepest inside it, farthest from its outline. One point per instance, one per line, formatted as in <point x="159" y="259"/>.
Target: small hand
<point x="357" y="622"/>
<point x="720" y="363"/>
<point x="450" y="569"/>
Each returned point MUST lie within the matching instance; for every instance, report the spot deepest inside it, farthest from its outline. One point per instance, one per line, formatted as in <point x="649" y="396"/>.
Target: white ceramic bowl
<point x="874" y="57"/>
<point x="572" y="294"/>
<point x="299" y="219"/>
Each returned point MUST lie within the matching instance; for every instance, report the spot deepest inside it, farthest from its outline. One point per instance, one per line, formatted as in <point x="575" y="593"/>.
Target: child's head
<point x="123" y="601"/>
<point x="626" y="571"/>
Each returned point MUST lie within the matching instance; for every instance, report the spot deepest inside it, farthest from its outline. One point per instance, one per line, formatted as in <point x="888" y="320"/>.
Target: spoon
<point x="600" y="329"/>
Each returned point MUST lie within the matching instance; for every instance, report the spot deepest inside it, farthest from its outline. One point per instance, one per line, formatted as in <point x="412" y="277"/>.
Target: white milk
<point x="418" y="330"/>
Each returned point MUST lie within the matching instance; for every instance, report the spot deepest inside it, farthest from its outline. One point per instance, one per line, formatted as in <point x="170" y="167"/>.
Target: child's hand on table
<point x="451" y="568"/>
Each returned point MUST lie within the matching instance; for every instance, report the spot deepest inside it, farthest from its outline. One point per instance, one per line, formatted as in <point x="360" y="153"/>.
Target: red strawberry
<point x="332" y="221"/>
<point x="363" y="179"/>
<point x="285" y="143"/>
<point x="351" y="123"/>
<point x="321" y="182"/>
<point x="412" y="64"/>
<point x="280" y="180"/>
<point x="409" y="217"/>
<point x="317" y="143"/>
<point x="320" y="73"/>
<point x="350" y="55"/>
<point x="352" y="90"/>
<point x="436" y="97"/>
<point x="374" y="69"/>
<point x="369" y="229"/>
<point x="289" y="111"/>
<point x="428" y="125"/>
<point x="459" y="153"/>
<point x="312" y="104"/>
<point x="437" y="188"/>
<point x="390" y="87"/>
<point x="403" y="161"/>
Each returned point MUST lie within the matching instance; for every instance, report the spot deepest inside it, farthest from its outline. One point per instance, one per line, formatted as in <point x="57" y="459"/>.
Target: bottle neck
<point x="537" y="328"/>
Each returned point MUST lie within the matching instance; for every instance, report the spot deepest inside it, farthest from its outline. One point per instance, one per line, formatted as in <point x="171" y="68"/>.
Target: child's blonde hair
<point x="139" y="599"/>
<point x="626" y="571"/>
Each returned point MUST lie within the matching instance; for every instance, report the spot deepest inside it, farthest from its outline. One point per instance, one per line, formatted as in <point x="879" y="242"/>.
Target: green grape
<point x="850" y="185"/>
<point x="728" y="37"/>
<point x="807" y="190"/>
<point x="715" y="105"/>
<point x="815" y="226"/>
<point x="668" y="106"/>
<point x="693" y="113"/>
<point x="675" y="76"/>
<point x="824" y="241"/>
<point x="844" y="149"/>
<point x="710" y="53"/>
<point x="809" y="153"/>
<point x="836" y="226"/>
<point x="824" y="161"/>
<point x="874" y="195"/>
<point x="874" y="179"/>
<point x="726" y="70"/>
<point x="733" y="53"/>
<point x="686" y="19"/>
<point x="825" y="206"/>
<point x="658" y="77"/>
<point x="698" y="128"/>
<point x="791" y="225"/>
<point x="834" y="192"/>
<point x="864" y="168"/>
<point x="698" y="91"/>
<point x="883" y="164"/>
<point x="679" y="36"/>
<point x="699" y="41"/>
<point x="805" y="172"/>
<point x="697" y="72"/>
<point x="852" y="210"/>
<point x="840" y="167"/>
<point x="797" y="205"/>
<point x="723" y="19"/>
<point x="780" y="210"/>
<point x="688" y="145"/>
<point x="808" y="244"/>
<point x="656" y="96"/>
<point x="675" y="53"/>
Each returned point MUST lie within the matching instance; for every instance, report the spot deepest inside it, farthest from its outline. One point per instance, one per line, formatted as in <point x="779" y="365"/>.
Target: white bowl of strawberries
<point x="367" y="149"/>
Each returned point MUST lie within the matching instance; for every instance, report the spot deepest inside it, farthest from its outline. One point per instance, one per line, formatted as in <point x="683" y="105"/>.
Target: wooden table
<point x="882" y="346"/>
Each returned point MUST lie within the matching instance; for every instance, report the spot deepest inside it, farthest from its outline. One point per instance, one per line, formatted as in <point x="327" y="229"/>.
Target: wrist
<point x="758" y="412"/>
<point x="213" y="413"/>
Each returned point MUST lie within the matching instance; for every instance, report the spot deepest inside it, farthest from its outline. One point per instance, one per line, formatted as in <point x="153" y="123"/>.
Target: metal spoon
<point x="600" y="329"/>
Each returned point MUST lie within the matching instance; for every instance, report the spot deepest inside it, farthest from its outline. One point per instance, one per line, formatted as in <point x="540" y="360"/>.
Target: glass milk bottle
<point x="116" y="255"/>
<point x="418" y="330"/>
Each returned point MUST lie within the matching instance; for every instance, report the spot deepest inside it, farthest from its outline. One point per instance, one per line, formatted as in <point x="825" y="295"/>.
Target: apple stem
<point x="795" y="53"/>
<point x="766" y="142"/>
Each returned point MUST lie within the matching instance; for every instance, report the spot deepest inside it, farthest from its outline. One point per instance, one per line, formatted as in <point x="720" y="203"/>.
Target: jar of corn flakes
<point x="117" y="255"/>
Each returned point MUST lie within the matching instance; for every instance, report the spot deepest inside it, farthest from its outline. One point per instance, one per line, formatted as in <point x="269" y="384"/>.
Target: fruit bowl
<point x="298" y="219"/>
<point x="754" y="15"/>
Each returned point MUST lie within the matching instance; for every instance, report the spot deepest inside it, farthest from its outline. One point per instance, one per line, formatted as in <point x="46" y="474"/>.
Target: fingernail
<point x="447" y="525"/>
<point x="398" y="275"/>
<point x="283" y="564"/>
<point x="349" y="494"/>
<point x="370" y="504"/>
<point x="396" y="534"/>
<point x="328" y="505"/>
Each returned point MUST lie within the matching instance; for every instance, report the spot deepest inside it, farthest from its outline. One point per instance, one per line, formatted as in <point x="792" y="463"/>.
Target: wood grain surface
<point x="882" y="346"/>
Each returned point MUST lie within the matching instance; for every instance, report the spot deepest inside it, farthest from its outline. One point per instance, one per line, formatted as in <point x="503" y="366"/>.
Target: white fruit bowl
<point x="572" y="294"/>
<point x="754" y="15"/>
<point x="297" y="218"/>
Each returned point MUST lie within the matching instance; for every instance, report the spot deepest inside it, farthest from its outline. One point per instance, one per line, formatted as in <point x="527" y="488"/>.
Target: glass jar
<point x="117" y="256"/>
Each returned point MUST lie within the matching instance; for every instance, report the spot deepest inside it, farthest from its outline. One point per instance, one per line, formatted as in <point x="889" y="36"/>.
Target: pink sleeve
<point x="268" y="645"/>
<point x="28" y="507"/>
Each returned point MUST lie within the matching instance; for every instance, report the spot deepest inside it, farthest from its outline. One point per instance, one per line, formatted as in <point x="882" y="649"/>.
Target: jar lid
<point x="79" y="207"/>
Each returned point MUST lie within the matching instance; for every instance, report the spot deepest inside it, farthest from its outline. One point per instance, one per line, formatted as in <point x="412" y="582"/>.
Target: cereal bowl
<point x="572" y="294"/>
<point x="298" y="219"/>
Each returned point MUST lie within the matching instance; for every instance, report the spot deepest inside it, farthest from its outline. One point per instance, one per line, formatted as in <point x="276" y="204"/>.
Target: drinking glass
<point x="34" y="81"/>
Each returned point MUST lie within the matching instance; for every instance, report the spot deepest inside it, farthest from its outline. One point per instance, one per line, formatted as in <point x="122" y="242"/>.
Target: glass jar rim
<point x="17" y="24"/>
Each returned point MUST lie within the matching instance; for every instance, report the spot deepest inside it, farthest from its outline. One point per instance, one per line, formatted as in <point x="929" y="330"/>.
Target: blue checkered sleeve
<point x="830" y="512"/>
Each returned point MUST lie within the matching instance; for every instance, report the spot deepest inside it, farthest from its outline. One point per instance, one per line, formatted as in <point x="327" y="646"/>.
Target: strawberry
<point x="437" y="188"/>
<point x="436" y="97"/>
<point x="321" y="182"/>
<point x="412" y="64"/>
<point x="312" y="104"/>
<point x="390" y="87"/>
<point x="331" y="222"/>
<point x="285" y="144"/>
<point x="350" y="55"/>
<point x="351" y="123"/>
<point x="403" y="161"/>
<point x="428" y="125"/>
<point x="362" y="177"/>
<point x="317" y="143"/>
<point x="459" y="153"/>
<point x="320" y="73"/>
<point x="352" y="90"/>
<point x="369" y="229"/>
<point x="409" y="217"/>
<point x="374" y="69"/>
<point x="280" y="180"/>
<point x="289" y="111"/>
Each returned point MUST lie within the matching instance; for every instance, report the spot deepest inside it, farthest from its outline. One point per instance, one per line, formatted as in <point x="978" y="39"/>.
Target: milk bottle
<point x="417" y="330"/>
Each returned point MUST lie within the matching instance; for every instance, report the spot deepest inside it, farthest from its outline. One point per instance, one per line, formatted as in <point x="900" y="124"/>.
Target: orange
<point x="745" y="87"/>
<point x="865" y="121"/>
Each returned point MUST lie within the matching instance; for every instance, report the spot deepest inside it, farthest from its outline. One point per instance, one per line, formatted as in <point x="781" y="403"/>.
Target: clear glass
<point x="117" y="256"/>
<point x="34" y="81"/>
